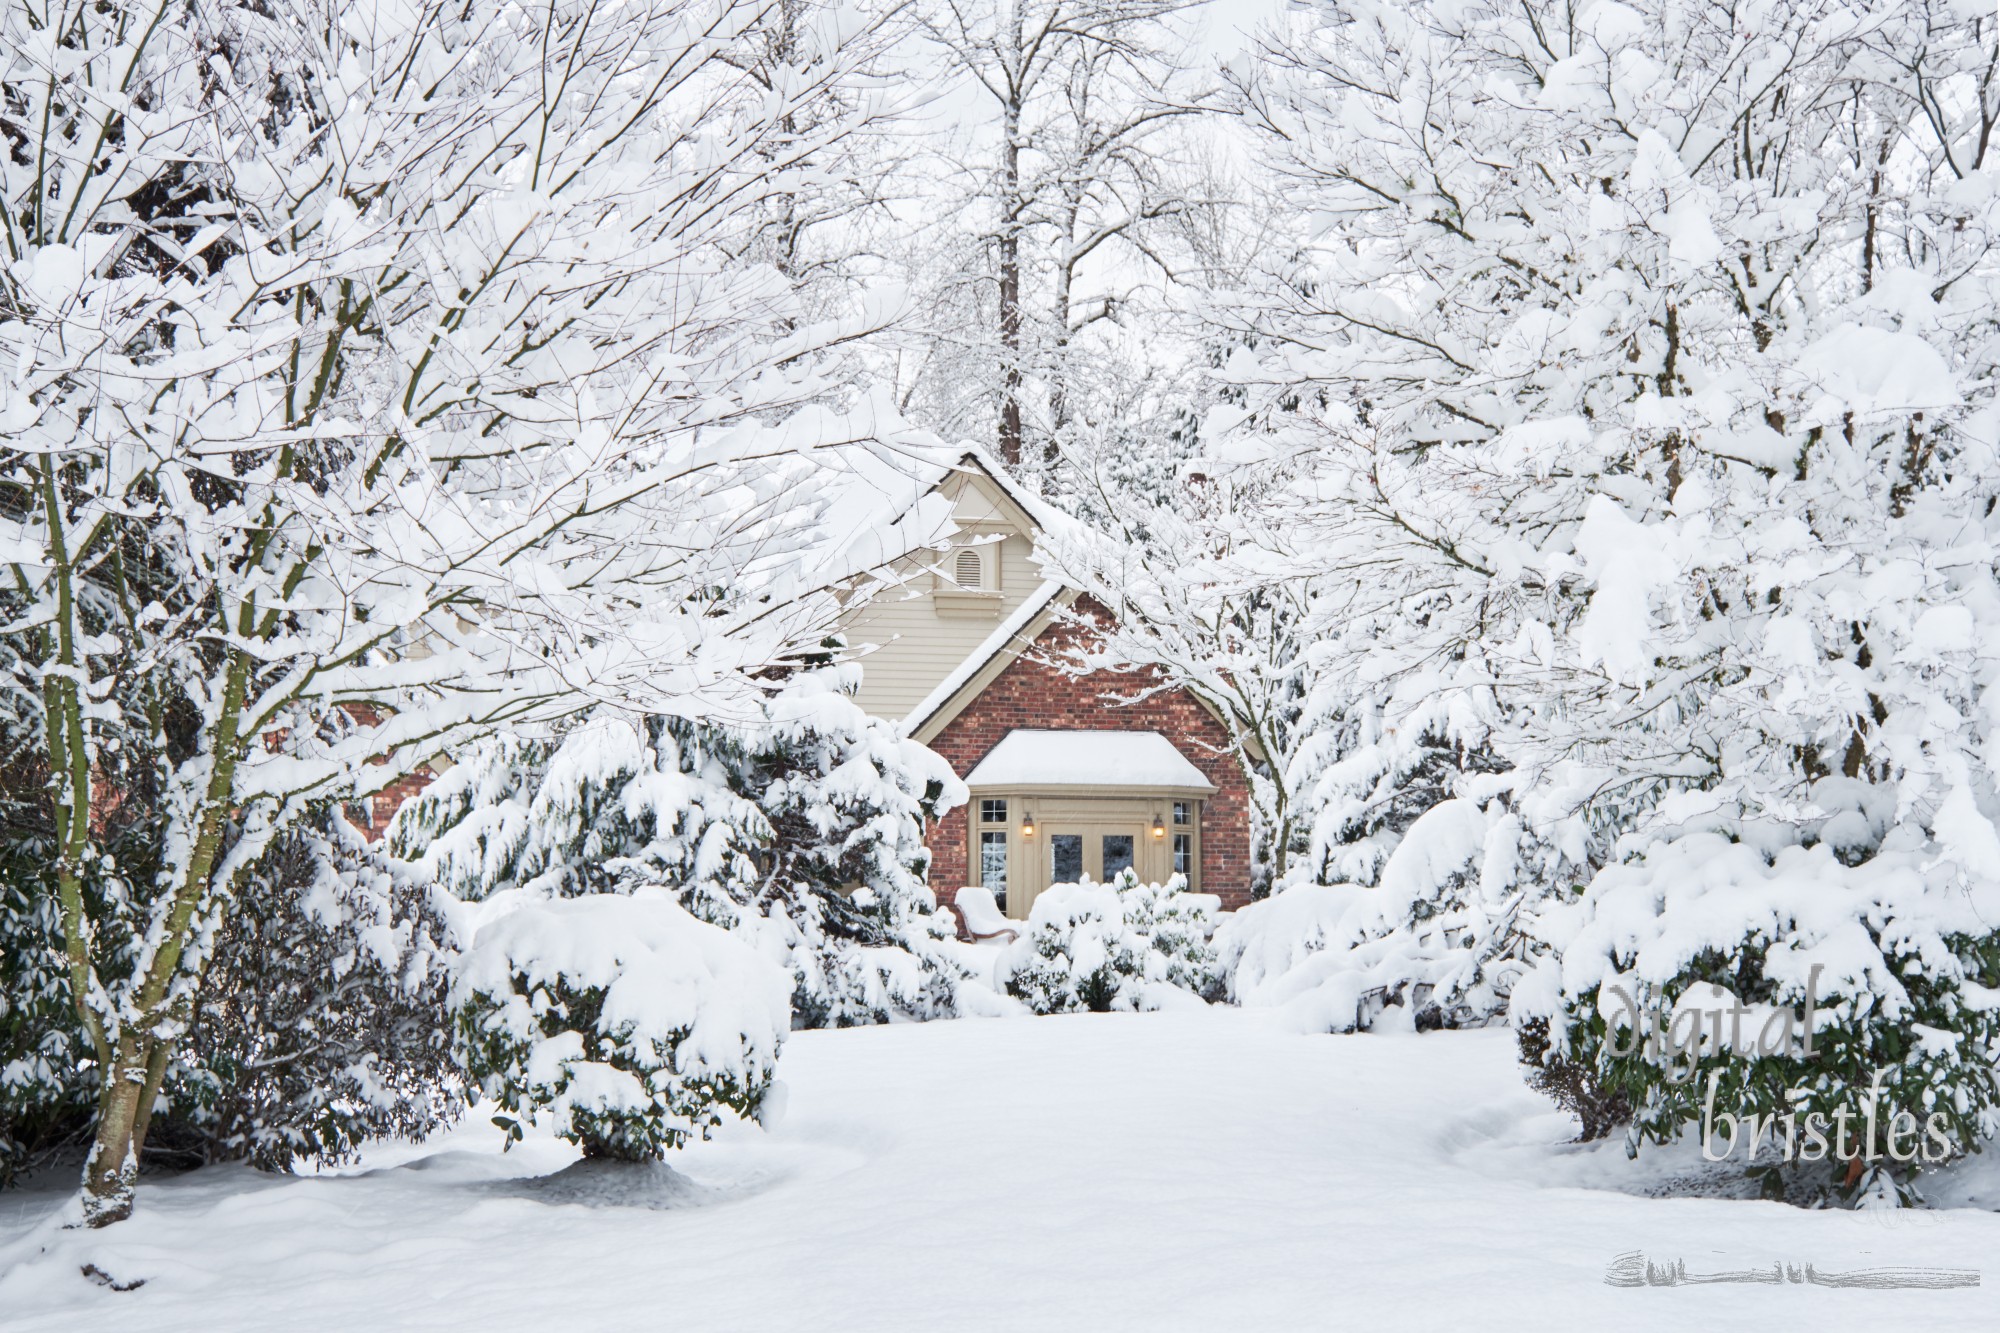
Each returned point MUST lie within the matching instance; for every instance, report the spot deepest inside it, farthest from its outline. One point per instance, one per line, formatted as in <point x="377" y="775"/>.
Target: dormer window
<point x="969" y="569"/>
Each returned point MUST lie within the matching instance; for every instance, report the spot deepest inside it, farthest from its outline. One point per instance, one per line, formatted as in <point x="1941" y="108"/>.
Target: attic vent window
<point x="968" y="573"/>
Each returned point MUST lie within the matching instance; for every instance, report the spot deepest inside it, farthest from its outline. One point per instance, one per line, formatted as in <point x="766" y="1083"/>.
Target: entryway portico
<point x="1051" y="807"/>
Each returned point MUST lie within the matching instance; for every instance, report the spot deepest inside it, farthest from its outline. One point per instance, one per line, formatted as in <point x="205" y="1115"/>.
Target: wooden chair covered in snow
<point x="981" y="916"/>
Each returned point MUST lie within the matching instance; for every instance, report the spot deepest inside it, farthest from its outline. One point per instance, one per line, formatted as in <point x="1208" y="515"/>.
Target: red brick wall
<point x="379" y="809"/>
<point x="1030" y="694"/>
<point x="384" y="804"/>
<point x="371" y="814"/>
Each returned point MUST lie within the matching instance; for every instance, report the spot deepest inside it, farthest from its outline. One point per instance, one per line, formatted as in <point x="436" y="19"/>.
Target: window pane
<point x="1065" y="858"/>
<point x="992" y="812"/>
<point x="993" y="866"/>
<point x="1184" y="854"/>
<point x="1117" y="853"/>
<point x="1182" y="811"/>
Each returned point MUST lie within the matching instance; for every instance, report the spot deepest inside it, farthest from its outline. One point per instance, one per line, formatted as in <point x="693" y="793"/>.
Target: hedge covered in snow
<point x="1117" y="946"/>
<point x="800" y="830"/>
<point x="320" y="1020"/>
<point x="621" y="1020"/>
<point x="1440" y="935"/>
<point x="1893" y="960"/>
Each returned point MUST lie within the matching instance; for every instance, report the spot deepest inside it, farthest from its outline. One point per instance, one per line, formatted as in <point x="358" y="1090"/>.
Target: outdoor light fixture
<point x="1159" y="829"/>
<point x="1027" y="824"/>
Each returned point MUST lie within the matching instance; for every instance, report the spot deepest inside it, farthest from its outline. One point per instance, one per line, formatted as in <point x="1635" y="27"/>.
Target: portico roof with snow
<point x="1054" y="760"/>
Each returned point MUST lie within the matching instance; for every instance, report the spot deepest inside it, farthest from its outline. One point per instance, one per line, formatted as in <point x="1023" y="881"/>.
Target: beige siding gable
<point x="977" y="502"/>
<point x="922" y="630"/>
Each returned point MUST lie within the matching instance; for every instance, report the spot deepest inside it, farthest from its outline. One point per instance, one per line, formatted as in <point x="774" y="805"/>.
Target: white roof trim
<point x="993" y="645"/>
<point x="1026" y="758"/>
<point x="1039" y="511"/>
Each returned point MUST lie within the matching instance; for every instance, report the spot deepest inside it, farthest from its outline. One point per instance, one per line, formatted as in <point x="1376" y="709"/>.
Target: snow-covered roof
<point x="922" y="472"/>
<point x="1026" y="758"/>
<point x="994" y="643"/>
<point x="882" y="502"/>
<point x="1045" y="515"/>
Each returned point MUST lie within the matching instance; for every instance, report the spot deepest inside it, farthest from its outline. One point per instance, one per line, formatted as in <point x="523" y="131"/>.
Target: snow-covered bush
<point x="1360" y="781"/>
<point x="322" y="1018"/>
<point x="45" y="1097"/>
<point x="1177" y="927"/>
<point x="800" y="830"/>
<point x="619" y="1019"/>
<point x="1122" y="945"/>
<point x="1440" y="935"/>
<point x="1896" y="957"/>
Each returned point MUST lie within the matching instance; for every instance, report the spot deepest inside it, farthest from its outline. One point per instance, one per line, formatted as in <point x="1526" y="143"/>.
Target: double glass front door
<point x="1022" y="842"/>
<point x="1099" y="851"/>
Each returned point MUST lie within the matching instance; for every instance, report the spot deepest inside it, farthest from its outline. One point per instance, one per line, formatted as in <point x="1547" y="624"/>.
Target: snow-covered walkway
<point x="1164" y="1171"/>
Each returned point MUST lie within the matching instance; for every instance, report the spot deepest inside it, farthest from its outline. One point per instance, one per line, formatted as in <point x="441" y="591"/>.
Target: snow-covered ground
<point x="1200" y="1170"/>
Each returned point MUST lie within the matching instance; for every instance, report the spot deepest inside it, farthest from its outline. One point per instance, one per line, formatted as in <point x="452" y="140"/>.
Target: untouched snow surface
<point x="1186" y="1170"/>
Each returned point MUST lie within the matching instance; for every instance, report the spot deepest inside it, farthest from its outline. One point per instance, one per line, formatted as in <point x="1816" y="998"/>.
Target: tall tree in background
<point x="377" y="378"/>
<point x="1082" y="172"/>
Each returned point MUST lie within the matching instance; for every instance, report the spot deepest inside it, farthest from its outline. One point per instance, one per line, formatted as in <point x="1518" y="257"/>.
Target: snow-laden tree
<point x="824" y="232"/>
<point x="1062" y="208"/>
<point x="1139" y="374"/>
<point x="1588" y="392"/>
<point x="377" y="376"/>
<point x="799" y="829"/>
<point x="1193" y="606"/>
<point x="1215" y="591"/>
<point x="1211" y="592"/>
<point x="1636" y="390"/>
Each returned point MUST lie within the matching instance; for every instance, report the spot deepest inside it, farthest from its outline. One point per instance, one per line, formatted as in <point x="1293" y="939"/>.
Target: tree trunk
<point x="125" y="1111"/>
<point x="1061" y="312"/>
<point x="138" y="1065"/>
<point x="1011" y="208"/>
<point x="112" y="1169"/>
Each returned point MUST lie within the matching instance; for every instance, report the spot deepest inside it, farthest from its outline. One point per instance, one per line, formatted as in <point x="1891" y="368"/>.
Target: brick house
<point x="1064" y="781"/>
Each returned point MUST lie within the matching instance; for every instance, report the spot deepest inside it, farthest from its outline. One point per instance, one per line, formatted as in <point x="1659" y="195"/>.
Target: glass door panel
<point x="993" y="865"/>
<point x="1065" y="858"/>
<point x="1117" y="852"/>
